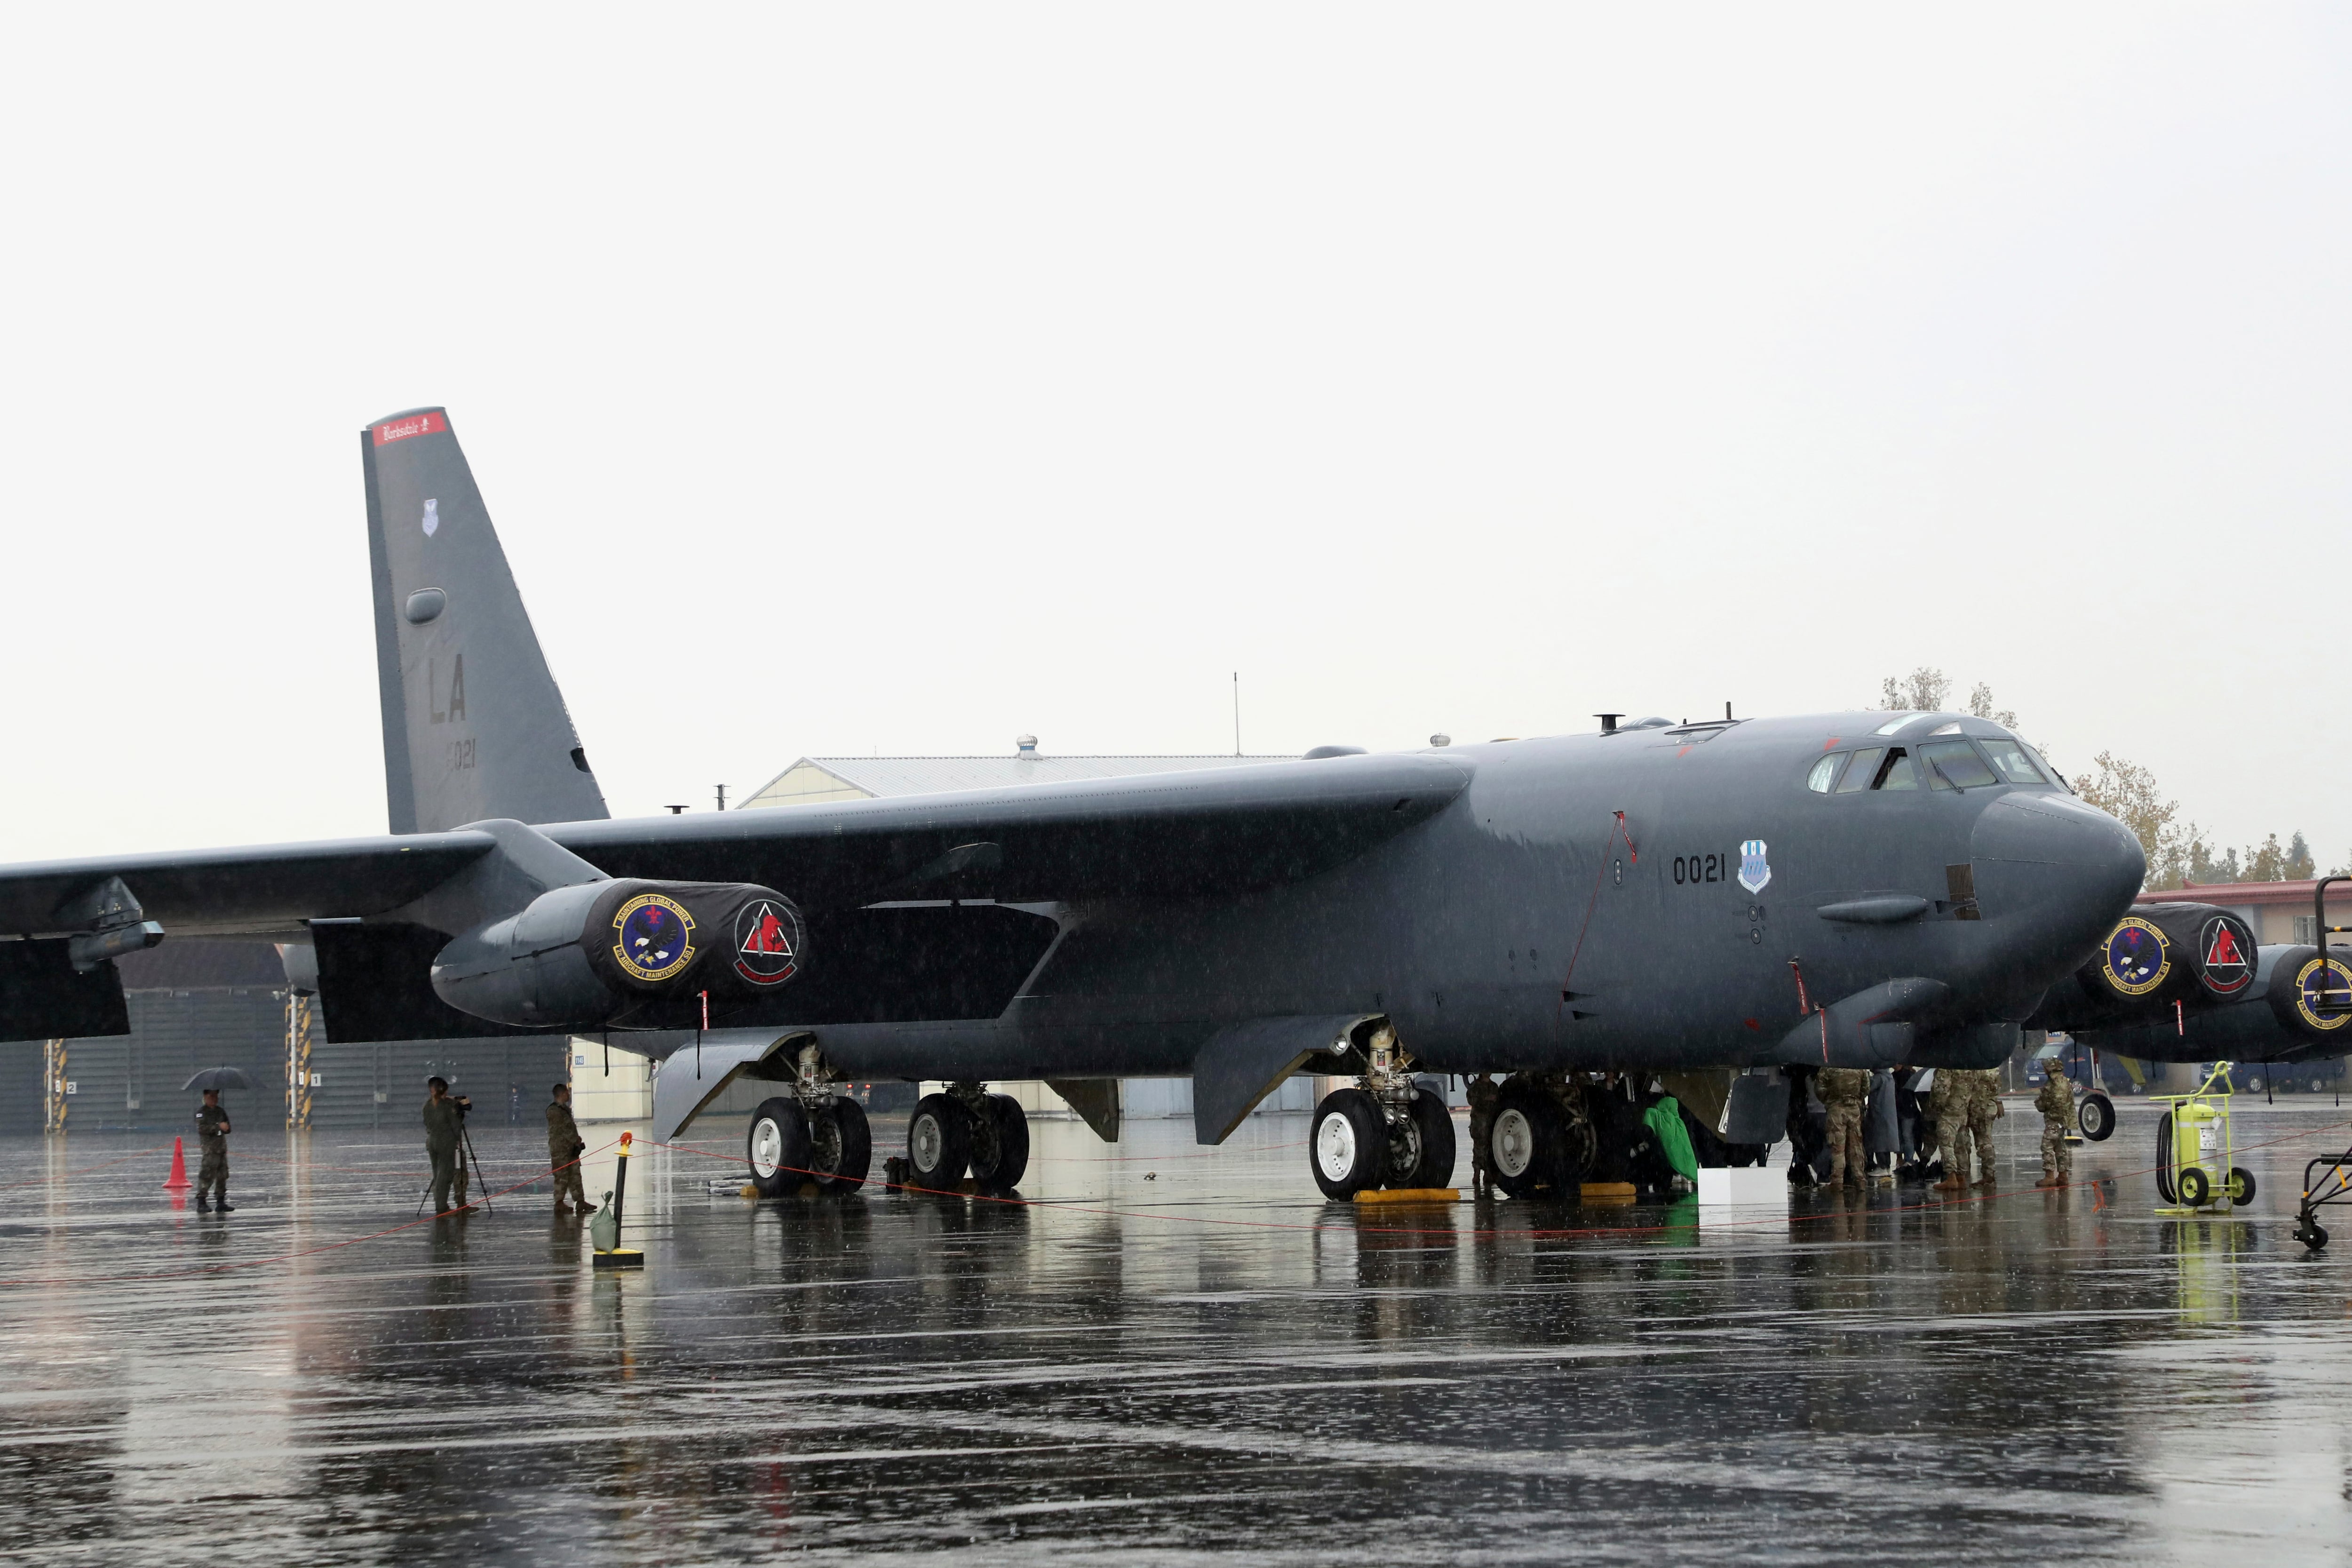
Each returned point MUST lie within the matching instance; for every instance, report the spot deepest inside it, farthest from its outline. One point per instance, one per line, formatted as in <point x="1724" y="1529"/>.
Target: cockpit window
<point x="1897" y="771"/>
<point x="1862" y="770"/>
<point x="1894" y="723"/>
<point x="1958" y="761"/>
<point x="2010" y="760"/>
<point x="1824" y="772"/>
<point x="2053" y="775"/>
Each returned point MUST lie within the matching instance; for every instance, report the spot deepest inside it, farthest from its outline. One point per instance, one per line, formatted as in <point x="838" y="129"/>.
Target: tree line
<point x="2179" y="851"/>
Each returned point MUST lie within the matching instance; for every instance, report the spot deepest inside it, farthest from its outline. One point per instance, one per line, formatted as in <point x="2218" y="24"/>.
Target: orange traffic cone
<point x="178" y="1180"/>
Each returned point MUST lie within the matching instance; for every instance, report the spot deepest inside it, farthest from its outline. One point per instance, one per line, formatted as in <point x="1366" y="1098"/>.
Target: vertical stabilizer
<point x="473" y="724"/>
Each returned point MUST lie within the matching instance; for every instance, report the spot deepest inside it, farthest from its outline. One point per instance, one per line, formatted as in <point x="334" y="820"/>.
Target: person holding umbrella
<point x="212" y="1137"/>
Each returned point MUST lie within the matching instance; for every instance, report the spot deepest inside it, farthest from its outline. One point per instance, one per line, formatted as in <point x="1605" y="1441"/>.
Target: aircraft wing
<point x="1215" y="831"/>
<point x="1166" y="835"/>
<point x="258" y="891"/>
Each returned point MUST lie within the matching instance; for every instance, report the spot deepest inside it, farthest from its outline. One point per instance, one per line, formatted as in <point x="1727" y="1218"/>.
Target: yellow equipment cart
<point x="2193" y="1150"/>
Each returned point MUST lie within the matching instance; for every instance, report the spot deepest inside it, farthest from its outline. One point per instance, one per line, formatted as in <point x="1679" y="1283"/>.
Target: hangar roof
<point x="2296" y="892"/>
<point x="812" y="779"/>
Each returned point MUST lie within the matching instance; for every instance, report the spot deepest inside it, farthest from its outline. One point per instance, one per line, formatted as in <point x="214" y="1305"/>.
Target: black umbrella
<point x="219" y="1078"/>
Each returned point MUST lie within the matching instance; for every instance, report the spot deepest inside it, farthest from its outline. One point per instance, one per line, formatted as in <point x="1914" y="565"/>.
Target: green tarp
<point x="1665" y="1120"/>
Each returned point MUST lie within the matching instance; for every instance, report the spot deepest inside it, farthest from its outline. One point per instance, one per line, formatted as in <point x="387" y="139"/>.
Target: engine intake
<point x="626" y="952"/>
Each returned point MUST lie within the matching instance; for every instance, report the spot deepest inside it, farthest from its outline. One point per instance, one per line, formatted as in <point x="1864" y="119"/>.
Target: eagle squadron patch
<point x="656" y="937"/>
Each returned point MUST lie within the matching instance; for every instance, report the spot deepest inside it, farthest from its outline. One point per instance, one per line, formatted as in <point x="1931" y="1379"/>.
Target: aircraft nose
<point x="2057" y="872"/>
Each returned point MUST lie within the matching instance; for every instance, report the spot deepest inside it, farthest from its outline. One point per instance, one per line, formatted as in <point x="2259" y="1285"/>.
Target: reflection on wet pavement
<point x="1161" y="1355"/>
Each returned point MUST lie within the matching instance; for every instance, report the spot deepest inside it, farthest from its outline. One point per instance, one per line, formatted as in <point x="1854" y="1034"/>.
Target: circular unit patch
<point x="767" y="943"/>
<point x="2136" y="958"/>
<point x="654" y="937"/>
<point x="2323" y="994"/>
<point x="2225" y="949"/>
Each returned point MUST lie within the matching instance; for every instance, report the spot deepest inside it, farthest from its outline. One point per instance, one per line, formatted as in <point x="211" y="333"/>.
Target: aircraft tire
<point x="1012" y="1145"/>
<point x="1523" y="1144"/>
<point x="850" y="1148"/>
<point x="777" y="1148"/>
<point x="1349" y="1148"/>
<point x="938" y="1143"/>
<point x="2097" y="1116"/>
<point x="1435" y="1120"/>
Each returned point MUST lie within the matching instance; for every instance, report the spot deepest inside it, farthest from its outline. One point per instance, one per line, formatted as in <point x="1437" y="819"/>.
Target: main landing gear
<point x="967" y="1131"/>
<point x="1542" y="1138"/>
<point x="1388" y="1131"/>
<point x="816" y="1134"/>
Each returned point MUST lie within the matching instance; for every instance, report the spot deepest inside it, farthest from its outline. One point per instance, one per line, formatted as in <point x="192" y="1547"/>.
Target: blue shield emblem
<point x="1754" y="869"/>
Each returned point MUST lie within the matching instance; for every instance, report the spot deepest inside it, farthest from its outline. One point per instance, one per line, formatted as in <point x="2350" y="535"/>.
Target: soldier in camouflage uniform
<point x="2056" y="1103"/>
<point x="212" y="1137"/>
<point x="1843" y="1090"/>
<point x="565" y="1147"/>
<point x="1947" y="1102"/>
<point x="1984" y="1105"/>
<point x="1484" y="1093"/>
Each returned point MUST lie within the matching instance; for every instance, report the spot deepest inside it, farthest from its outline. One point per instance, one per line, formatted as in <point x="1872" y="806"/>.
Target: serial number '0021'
<point x="1703" y="868"/>
<point x="461" y="755"/>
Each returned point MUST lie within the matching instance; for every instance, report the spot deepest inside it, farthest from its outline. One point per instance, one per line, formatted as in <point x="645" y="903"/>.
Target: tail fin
<point x="473" y="724"/>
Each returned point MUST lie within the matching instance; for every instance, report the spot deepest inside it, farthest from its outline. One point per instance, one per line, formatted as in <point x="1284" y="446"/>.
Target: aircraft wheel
<point x="1435" y="1121"/>
<point x="1349" y="1150"/>
<point x="777" y="1148"/>
<point x="938" y="1143"/>
<point x="2196" y="1187"/>
<point x="2097" y="1116"/>
<point x="1524" y="1142"/>
<point x="2242" y="1186"/>
<point x="842" y="1146"/>
<point x="1008" y="1157"/>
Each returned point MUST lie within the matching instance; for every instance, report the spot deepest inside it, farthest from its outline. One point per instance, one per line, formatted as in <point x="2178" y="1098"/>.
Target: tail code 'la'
<point x="473" y="724"/>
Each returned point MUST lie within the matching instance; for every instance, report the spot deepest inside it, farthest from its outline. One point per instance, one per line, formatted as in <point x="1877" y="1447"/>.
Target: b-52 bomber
<point x="1855" y="889"/>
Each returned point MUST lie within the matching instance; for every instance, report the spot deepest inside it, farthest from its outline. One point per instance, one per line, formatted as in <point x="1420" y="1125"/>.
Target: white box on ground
<point x="1746" y="1184"/>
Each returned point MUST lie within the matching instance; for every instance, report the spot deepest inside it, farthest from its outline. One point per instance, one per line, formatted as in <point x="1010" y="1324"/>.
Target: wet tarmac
<point x="1163" y="1357"/>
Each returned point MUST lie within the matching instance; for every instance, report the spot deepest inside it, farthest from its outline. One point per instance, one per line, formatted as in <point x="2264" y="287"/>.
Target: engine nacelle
<point x="2161" y="953"/>
<point x="2309" y="993"/>
<point x="627" y="952"/>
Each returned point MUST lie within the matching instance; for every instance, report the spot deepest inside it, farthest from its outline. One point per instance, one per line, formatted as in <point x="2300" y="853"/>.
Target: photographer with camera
<point x="444" y="1131"/>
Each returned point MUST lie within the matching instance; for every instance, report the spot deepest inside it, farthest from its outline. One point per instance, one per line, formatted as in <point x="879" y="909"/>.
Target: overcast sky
<point x="903" y="379"/>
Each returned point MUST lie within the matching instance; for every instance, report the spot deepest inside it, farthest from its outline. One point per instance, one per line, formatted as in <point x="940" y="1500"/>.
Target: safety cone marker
<point x="178" y="1180"/>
